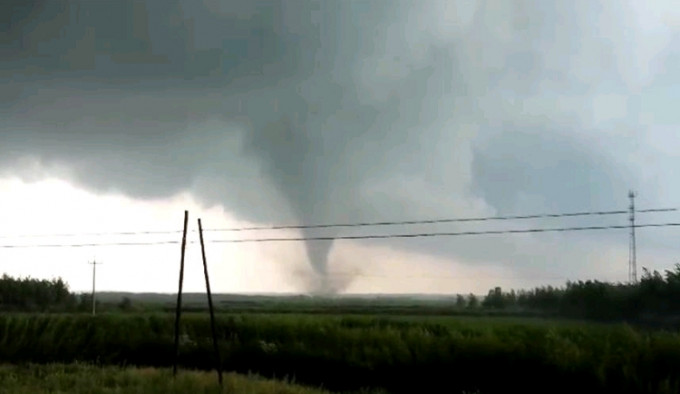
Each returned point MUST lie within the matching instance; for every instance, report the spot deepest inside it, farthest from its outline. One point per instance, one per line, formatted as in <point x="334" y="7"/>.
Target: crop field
<point x="348" y="353"/>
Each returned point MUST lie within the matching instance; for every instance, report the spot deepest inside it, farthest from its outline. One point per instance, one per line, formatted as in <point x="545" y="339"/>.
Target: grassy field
<point x="82" y="378"/>
<point x="234" y="303"/>
<point x="346" y="353"/>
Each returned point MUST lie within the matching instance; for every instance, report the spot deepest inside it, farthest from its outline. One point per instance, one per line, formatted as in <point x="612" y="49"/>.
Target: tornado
<point x="292" y="156"/>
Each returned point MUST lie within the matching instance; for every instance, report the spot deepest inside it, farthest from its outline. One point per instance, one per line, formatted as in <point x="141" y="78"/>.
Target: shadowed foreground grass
<point x="401" y="355"/>
<point x="83" y="378"/>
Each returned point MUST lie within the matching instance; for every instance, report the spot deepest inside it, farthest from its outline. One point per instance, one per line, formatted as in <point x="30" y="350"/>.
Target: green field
<point x="81" y="378"/>
<point x="349" y="353"/>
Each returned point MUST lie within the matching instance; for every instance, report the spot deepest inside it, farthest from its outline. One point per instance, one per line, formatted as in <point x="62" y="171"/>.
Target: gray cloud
<point x="520" y="170"/>
<point x="338" y="111"/>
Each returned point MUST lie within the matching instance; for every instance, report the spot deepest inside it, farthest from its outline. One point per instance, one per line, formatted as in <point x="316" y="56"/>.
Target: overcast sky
<point x="119" y="115"/>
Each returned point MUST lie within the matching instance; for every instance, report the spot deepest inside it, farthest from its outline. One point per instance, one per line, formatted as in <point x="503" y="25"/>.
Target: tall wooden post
<point x="210" y="304"/>
<point x="178" y="309"/>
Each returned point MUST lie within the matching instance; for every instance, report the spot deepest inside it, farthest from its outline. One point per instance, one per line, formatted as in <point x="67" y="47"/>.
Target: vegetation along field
<point x="88" y="379"/>
<point x="351" y="353"/>
<point x="459" y="344"/>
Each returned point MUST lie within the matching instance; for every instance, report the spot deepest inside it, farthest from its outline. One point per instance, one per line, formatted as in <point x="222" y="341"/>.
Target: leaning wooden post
<point x="210" y="305"/>
<point x="179" y="293"/>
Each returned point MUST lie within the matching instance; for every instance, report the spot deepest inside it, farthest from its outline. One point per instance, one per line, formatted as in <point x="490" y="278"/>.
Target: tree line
<point x="655" y="297"/>
<point x="40" y="295"/>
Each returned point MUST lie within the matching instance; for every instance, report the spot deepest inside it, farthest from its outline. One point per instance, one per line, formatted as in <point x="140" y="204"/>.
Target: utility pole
<point x="632" y="258"/>
<point x="178" y="309"/>
<point x="210" y="305"/>
<point x="94" y="276"/>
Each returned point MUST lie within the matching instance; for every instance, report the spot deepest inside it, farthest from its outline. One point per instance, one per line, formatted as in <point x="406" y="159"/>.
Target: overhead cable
<point x="354" y="237"/>
<point x="358" y="224"/>
<point x="441" y="234"/>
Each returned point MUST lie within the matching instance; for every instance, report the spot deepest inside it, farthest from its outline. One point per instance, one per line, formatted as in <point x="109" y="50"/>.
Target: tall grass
<point x="82" y="378"/>
<point x="350" y="353"/>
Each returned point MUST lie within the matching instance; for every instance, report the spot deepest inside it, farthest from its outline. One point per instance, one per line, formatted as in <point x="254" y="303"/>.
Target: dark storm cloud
<point x="325" y="111"/>
<point x="243" y="98"/>
<point x="520" y="170"/>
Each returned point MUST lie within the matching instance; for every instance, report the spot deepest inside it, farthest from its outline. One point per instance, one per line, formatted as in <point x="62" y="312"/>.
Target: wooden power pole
<point x="178" y="309"/>
<point x="218" y="359"/>
<point x="94" y="281"/>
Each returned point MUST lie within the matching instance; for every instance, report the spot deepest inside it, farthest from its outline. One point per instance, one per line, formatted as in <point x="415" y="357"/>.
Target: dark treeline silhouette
<point x="28" y="294"/>
<point x="656" y="298"/>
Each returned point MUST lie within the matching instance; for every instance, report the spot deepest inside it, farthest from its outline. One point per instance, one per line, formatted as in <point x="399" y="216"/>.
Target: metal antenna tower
<point x="632" y="258"/>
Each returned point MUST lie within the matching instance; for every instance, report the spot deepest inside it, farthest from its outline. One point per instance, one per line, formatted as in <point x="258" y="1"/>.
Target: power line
<point x="356" y="237"/>
<point x="441" y="234"/>
<point x="166" y="232"/>
<point x="359" y="224"/>
<point x="90" y="244"/>
<point x="435" y="221"/>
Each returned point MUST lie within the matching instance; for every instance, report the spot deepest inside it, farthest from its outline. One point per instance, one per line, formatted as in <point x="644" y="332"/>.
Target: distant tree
<point x="673" y="288"/>
<point x="494" y="299"/>
<point x="651" y="291"/>
<point x="30" y="294"/>
<point x="460" y="301"/>
<point x="510" y="299"/>
<point x="472" y="301"/>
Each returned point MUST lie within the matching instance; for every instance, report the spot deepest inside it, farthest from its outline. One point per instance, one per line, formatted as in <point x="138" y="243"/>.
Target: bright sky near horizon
<point x="118" y="116"/>
<point x="42" y="208"/>
<point x="155" y="268"/>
